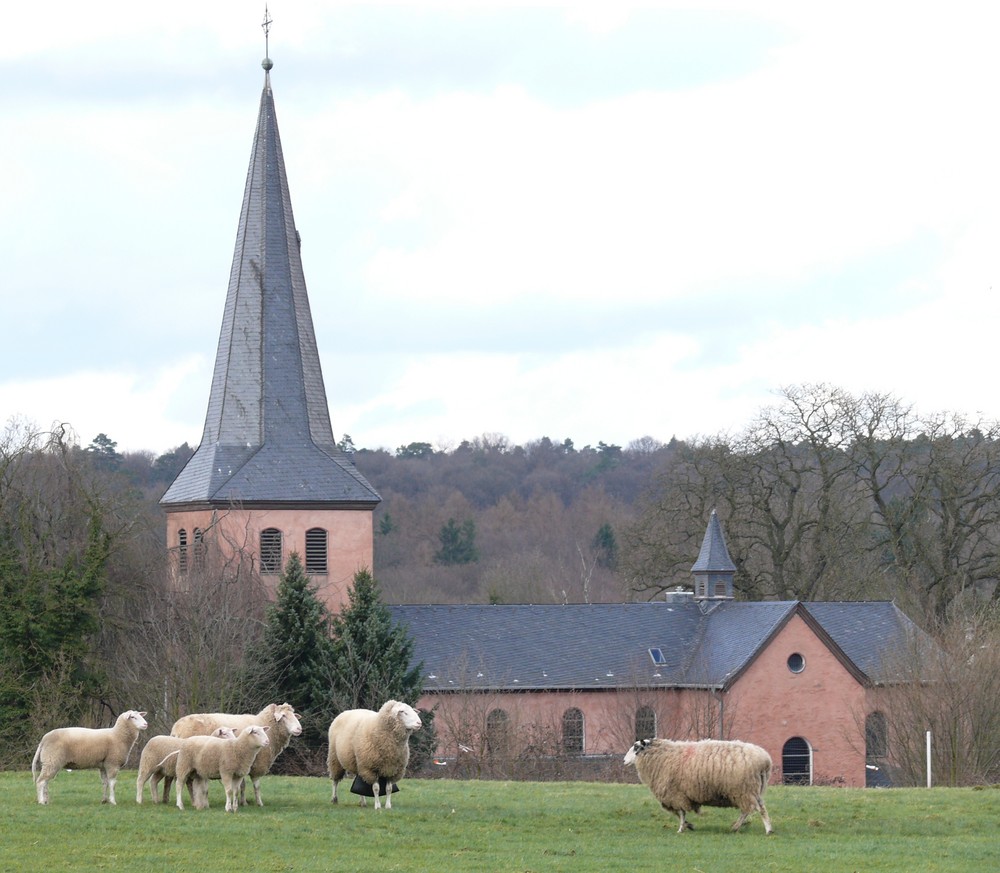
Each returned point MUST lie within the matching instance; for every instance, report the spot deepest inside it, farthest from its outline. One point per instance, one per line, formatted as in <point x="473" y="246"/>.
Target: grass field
<point x="443" y="826"/>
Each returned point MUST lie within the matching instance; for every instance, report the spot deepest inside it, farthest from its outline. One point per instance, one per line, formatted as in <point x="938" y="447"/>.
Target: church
<point x="800" y="679"/>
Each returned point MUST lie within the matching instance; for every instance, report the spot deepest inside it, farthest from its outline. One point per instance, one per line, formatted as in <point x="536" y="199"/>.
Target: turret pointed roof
<point x="268" y="437"/>
<point x="714" y="556"/>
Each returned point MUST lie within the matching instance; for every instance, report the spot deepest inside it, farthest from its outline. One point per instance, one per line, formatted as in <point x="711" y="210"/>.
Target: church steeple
<point x="267" y="433"/>
<point x="714" y="569"/>
<point x="268" y="444"/>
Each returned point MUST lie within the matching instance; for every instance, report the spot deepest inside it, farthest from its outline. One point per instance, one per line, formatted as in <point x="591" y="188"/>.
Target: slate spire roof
<point x="714" y="556"/>
<point x="267" y="436"/>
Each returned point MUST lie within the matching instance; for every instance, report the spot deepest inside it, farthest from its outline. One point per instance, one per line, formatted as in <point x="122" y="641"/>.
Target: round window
<point x="796" y="663"/>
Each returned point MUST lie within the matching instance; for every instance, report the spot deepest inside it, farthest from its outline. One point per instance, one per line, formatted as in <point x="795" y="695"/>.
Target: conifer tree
<point x="371" y="654"/>
<point x="296" y="653"/>
<point x="372" y="662"/>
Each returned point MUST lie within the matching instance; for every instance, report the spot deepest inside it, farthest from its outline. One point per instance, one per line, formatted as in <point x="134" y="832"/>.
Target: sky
<point x="588" y="220"/>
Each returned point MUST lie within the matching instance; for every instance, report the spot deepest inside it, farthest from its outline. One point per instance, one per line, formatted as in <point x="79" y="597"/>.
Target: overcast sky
<point x="587" y="220"/>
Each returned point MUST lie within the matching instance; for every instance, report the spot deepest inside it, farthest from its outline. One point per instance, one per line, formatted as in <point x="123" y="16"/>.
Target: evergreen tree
<point x="458" y="543"/>
<point x="372" y="658"/>
<point x="49" y="624"/>
<point x="371" y="654"/>
<point x="606" y="546"/>
<point x="296" y="654"/>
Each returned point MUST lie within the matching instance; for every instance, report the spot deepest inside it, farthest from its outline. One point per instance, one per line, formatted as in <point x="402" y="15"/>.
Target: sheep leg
<point x="167" y="782"/>
<point x="232" y="792"/>
<point x="336" y="782"/>
<point x="685" y="824"/>
<point x="388" y="793"/>
<point x="42" y="788"/>
<point x="108" y="781"/>
<point x="375" y="790"/>
<point x="200" y="792"/>
<point x="765" y="817"/>
<point x="256" y="791"/>
<point x="181" y="779"/>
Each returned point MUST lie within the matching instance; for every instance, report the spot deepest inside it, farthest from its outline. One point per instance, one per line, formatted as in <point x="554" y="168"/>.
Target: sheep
<point x="202" y="758"/>
<point x="684" y="776"/>
<point x="281" y="721"/>
<point x="157" y="763"/>
<point x="372" y="745"/>
<point x="78" y="748"/>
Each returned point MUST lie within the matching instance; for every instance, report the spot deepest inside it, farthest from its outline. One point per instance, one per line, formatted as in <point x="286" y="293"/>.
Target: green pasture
<point x="444" y="825"/>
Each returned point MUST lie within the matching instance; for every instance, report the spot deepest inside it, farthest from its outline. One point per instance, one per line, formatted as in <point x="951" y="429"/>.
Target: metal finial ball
<point x="267" y="63"/>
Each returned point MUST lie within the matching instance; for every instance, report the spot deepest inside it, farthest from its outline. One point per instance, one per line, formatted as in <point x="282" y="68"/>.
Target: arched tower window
<point x="270" y="551"/>
<point x="316" y="549"/>
<point x="199" y="549"/>
<point x="645" y="723"/>
<point x="572" y="731"/>
<point x="182" y="551"/>
<point x="796" y="762"/>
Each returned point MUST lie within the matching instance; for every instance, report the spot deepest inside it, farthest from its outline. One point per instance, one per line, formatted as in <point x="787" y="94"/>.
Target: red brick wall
<point x="824" y="705"/>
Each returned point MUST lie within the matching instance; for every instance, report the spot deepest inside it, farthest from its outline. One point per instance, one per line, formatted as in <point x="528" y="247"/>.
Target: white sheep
<point x="156" y="763"/>
<point x="684" y="776"/>
<point x="202" y="758"/>
<point x="372" y="745"/>
<point x="281" y="721"/>
<point x="78" y="748"/>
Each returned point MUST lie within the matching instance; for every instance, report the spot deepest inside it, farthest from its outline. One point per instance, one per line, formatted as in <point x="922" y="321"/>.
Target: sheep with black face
<point x="684" y="776"/>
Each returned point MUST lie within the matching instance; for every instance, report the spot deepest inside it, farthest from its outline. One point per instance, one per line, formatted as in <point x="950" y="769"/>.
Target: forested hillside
<point x="824" y="495"/>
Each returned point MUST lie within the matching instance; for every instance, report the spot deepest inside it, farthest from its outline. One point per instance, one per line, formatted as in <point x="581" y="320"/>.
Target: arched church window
<point x="796" y="762"/>
<point x="498" y="733"/>
<point x="645" y="723"/>
<point x="316" y="551"/>
<point x="270" y="551"/>
<point x="572" y="731"/>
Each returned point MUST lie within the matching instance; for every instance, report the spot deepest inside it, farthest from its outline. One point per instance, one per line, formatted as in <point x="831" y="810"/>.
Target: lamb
<point x="78" y="748"/>
<point x="281" y="721"/>
<point x="202" y="758"/>
<point x="684" y="776"/>
<point x="372" y="745"/>
<point x="157" y="763"/>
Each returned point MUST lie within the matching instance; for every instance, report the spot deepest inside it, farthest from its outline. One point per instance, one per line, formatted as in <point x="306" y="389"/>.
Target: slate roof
<point x="605" y="646"/>
<point x="714" y="555"/>
<point x="267" y="436"/>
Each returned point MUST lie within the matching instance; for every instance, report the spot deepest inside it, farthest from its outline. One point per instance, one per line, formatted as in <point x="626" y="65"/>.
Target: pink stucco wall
<point x="236" y="531"/>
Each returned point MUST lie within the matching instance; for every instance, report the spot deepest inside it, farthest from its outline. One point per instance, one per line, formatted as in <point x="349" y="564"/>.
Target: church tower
<point x="268" y="478"/>
<point x="714" y="570"/>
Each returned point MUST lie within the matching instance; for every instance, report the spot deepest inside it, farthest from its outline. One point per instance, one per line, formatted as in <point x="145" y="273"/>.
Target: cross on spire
<point x="266" y="24"/>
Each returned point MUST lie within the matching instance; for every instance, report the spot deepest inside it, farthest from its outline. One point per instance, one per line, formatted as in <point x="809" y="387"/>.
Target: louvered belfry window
<point x="316" y="549"/>
<point x="270" y="550"/>
<point x="199" y="549"/>
<point x="182" y="551"/>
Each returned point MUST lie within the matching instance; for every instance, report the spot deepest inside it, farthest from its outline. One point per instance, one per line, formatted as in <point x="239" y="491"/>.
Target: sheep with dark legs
<point x="684" y="776"/>
<point x="372" y="745"/>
